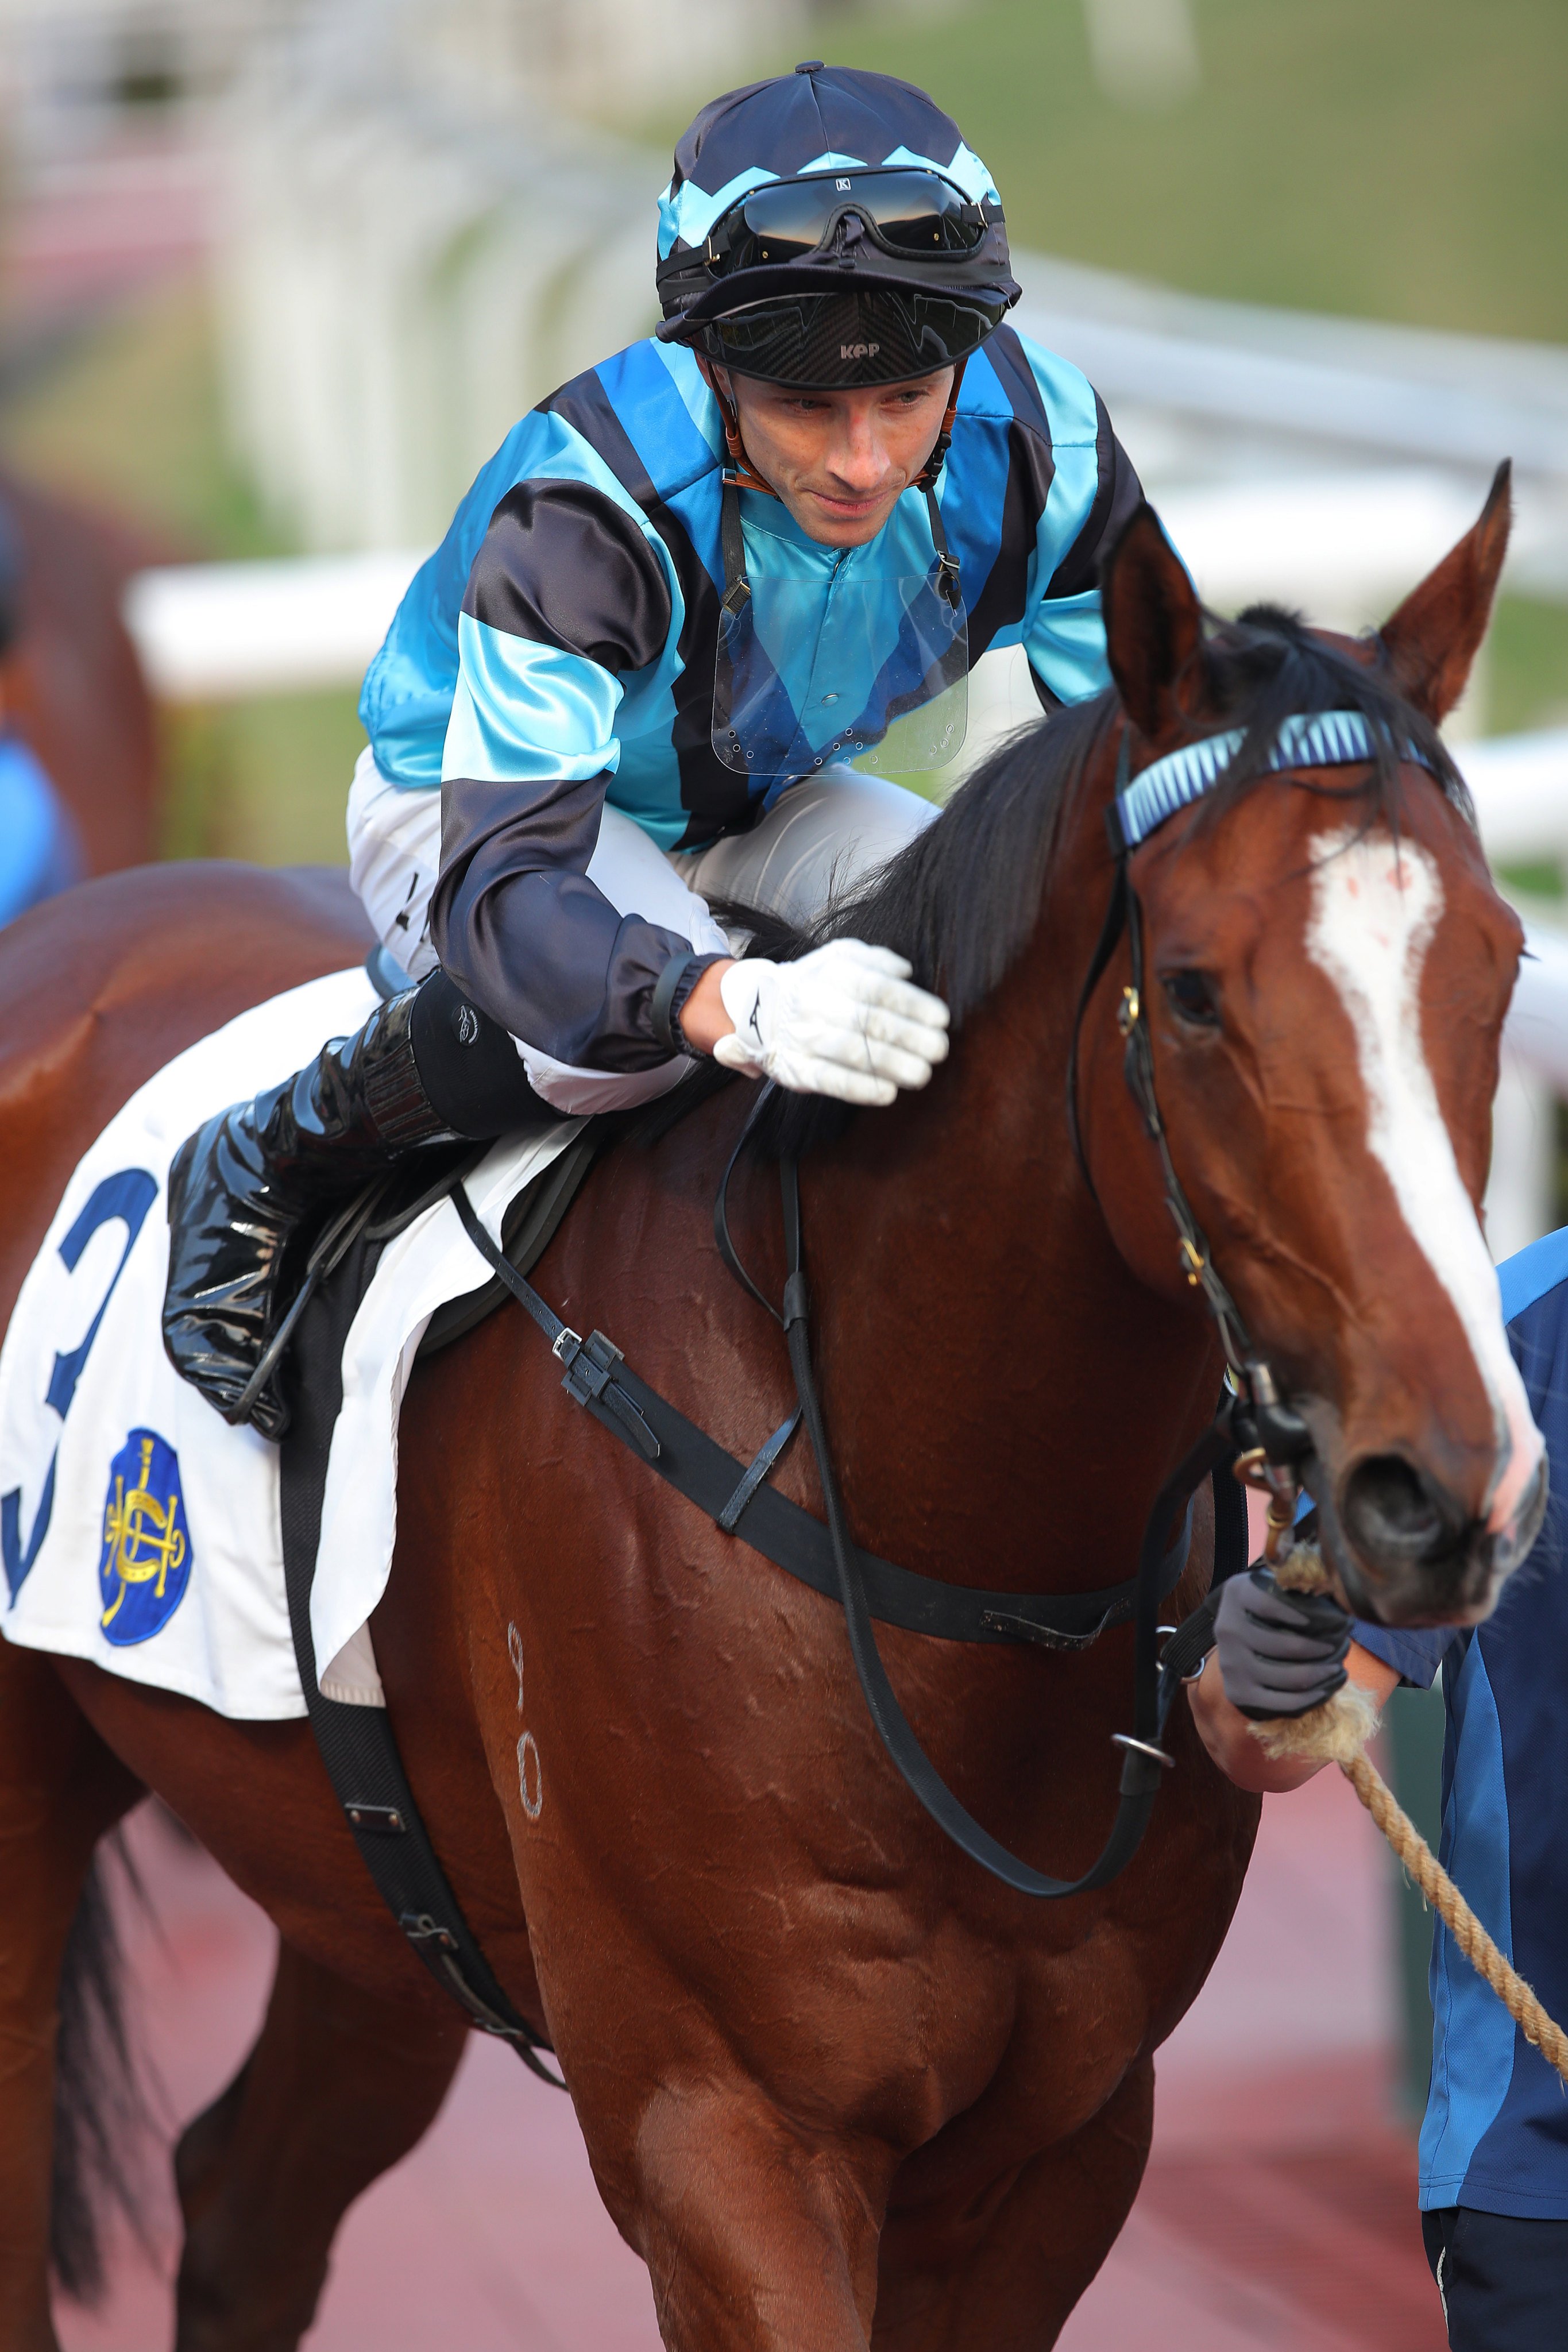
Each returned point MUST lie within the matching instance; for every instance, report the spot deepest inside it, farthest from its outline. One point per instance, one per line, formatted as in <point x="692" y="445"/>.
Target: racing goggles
<point x="911" y="215"/>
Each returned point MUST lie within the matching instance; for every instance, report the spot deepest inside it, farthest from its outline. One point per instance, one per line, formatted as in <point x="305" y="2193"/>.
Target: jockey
<point x="688" y="591"/>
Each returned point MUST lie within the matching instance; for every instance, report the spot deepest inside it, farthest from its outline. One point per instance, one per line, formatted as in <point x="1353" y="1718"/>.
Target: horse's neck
<point x="1004" y="1396"/>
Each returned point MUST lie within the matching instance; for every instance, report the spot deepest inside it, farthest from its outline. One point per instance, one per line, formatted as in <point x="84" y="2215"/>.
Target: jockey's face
<point x="839" y="460"/>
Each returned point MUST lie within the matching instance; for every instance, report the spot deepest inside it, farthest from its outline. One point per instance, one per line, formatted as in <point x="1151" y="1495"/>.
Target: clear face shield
<point x="875" y="672"/>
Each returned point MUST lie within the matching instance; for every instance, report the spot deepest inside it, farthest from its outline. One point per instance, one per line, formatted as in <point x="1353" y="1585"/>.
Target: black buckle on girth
<point x="590" y="1380"/>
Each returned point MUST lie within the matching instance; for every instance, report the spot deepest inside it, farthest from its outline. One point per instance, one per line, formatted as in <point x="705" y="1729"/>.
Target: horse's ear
<point x="1436" y="633"/>
<point x="1153" y="628"/>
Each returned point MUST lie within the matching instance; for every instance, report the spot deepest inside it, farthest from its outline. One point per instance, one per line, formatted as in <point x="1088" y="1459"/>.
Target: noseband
<point x="1271" y="1440"/>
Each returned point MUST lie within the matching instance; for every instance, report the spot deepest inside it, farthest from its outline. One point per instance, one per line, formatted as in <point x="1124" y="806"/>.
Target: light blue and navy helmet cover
<point x="816" y="119"/>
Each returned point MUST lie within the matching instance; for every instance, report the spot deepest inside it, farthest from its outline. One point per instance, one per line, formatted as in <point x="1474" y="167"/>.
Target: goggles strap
<point x="948" y="584"/>
<point x="737" y="587"/>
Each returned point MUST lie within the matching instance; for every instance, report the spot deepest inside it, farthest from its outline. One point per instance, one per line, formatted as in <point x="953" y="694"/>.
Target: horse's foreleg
<point x="756" y="2239"/>
<point x="60" y="1789"/>
<point x="1006" y="2271"/>
<point x="339" y="2085"/>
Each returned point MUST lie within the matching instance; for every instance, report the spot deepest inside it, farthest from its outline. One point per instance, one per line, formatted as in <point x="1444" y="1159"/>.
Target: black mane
<point x="961" y="901"/>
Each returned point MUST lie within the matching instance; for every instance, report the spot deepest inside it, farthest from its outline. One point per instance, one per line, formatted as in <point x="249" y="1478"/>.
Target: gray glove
<point x="1279" y="1652"/>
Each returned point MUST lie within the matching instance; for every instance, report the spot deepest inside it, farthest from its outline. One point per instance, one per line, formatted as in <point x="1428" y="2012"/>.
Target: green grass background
<point x="1395" y="159"/>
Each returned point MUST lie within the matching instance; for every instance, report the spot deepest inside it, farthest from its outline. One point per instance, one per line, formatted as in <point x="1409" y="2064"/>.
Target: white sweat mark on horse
<point x="530" y="1786"/>
<point x="1374" y="909"/>
<point x="530" y="1772"/>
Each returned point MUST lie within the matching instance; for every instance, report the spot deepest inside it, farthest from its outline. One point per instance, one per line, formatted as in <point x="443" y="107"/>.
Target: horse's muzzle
<point x="1408" y="1553"/>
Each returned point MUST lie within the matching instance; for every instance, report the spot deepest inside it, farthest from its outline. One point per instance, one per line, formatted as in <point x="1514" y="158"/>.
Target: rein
<point x="1144" y="1759"/>
<point x="1254" y="1430"/>
<point x="598" y="1377"/>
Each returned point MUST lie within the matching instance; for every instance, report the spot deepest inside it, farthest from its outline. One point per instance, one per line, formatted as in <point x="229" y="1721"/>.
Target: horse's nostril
<point x="1392" y="1515"/>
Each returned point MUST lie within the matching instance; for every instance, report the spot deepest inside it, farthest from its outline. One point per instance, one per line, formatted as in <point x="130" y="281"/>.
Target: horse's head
<point x="1326" y="967"/>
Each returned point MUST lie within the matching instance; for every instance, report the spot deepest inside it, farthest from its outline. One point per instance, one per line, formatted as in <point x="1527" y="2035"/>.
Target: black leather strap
<point x="737" y="587"/>
<point x="357" y="1743"/>
<point x="1141" y="1761"/>
<point x="949" y="581"/>
<point x="700" y="1469"/>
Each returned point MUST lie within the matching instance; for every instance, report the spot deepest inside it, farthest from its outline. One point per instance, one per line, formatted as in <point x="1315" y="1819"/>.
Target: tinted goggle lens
<point x="913" y="212"/>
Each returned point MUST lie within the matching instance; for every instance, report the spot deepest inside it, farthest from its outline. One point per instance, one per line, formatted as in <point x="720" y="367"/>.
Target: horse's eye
<point x="1192" y="998"/>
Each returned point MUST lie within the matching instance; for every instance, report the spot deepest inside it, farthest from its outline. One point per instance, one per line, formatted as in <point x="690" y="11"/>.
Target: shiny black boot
<point x="426" y="1068"/>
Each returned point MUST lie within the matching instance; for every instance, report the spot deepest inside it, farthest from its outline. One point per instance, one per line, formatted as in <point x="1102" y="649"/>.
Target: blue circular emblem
<point x="146" y="1563"/>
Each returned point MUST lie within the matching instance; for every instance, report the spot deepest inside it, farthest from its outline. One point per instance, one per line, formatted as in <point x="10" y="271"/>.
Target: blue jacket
<point x="1495" y="2135"/>
<point x="558" y="650"/>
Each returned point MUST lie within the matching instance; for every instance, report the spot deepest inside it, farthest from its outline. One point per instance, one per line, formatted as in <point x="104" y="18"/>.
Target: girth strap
<point x="358" y="1745"/>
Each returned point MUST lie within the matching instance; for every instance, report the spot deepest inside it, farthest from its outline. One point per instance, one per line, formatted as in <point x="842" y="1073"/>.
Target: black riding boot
<point x="426" y="1068"/>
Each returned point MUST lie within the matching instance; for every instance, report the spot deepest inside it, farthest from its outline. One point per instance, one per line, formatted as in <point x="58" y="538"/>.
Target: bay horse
<point x="74" y="689"/>
<point x="839" y="2087"/>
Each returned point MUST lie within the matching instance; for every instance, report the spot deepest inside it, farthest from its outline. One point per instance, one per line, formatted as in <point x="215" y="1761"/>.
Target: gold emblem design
<point x="141" y="1535"/>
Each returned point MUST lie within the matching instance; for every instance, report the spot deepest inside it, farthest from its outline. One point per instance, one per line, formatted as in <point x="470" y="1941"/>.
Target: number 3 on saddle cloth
<point x="137" y="1528"/>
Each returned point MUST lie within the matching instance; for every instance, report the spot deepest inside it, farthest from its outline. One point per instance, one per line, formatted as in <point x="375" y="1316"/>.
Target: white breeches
<point x="824" y="838"/>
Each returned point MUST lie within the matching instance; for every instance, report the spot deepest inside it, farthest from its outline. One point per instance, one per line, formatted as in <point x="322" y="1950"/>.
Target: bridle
<point x="1253" y="1429"/>
<point x="1272" y="1440"/>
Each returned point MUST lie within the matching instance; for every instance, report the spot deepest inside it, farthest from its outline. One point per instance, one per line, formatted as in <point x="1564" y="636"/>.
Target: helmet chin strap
<point x="926" y="480"/>
<point x="741" y="475"/>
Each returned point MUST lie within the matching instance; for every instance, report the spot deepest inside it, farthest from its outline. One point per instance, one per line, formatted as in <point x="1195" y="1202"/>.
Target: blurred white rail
<point x="1520" y="784"/>
<point x="213" y="631"/>
<point x="1344" y="546"/>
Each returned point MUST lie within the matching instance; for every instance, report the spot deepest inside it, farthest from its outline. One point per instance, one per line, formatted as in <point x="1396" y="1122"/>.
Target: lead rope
<point x="1337" y="1733"/>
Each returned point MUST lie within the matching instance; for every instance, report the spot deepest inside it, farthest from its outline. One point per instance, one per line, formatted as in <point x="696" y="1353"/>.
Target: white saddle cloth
<point x="137" y="1529"/>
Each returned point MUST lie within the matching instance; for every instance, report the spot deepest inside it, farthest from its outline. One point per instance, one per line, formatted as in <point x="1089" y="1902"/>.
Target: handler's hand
<point x="1279" y="1652"/>
<point x="844" y="1021"/>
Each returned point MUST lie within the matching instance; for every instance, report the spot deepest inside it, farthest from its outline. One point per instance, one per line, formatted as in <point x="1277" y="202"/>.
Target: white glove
<point x="843" y="1021"/>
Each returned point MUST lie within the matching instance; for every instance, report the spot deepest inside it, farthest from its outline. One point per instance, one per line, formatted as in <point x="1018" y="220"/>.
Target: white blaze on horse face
<point x="1375" y="906"/>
